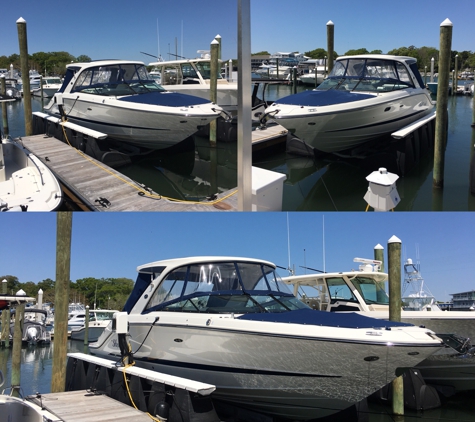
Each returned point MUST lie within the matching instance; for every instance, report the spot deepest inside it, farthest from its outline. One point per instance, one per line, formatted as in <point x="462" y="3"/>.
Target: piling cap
<point x="330" y="23"/>
<point x="378" y="246"/>
<point x="214" y="42"/>
<point x="217" y="36"/>
<point x="394" y="239"/>
<point x="4" y="280"/>
<point x="382" y="177"/>
<point x="447" y="23"/>
<point x="21" y="20"/>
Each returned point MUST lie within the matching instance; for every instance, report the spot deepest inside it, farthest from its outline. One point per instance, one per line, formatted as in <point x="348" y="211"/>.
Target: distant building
<point x="464" y="301"/>
<point x="257" y="60"/>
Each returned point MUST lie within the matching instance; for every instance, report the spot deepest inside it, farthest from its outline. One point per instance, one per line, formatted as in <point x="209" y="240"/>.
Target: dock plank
<point x="89" y="180"/>
<point x="81" y="406"/>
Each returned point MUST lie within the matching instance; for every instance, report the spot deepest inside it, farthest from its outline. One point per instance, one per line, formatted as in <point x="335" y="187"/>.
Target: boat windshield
<point x="374" y="75"/>
<point x="223" y="287"/>
<point x="372" y="291"/>
<point x="116" y="80"/>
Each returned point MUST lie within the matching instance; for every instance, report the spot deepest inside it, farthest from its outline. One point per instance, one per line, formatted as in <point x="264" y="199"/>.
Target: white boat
<point x="99" y="319"/>
<point x="19" y="409"/>
<point x="50" y="84"/>
<point x="120" y="99"/>
<point x="12" y="89"/>
<point x="364" y="97"/>
<point x="363" y="291"/>
<point x="192" y="76"/>
<point x="26" y="184"/>
<point x="309" y="78"/>
<point x="34" y="327"/>
<point x="231" y="322"/>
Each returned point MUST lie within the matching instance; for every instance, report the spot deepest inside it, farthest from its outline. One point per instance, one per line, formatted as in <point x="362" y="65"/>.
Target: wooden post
<point x="330" y="44"/>
<point x="441" y="121"/>
<point x="432" y="61"/>
<point x="244" y="142"/>
<point x="16" y="349"/>
<point x="379" y="256"/>
<point x="3" y="91"/>
<point x="25" y="76"/>
<point x="394" y="281"/>
<point x="218" y="38"/>
<point x="86" y="330"/>
<point x="294" y="80"/>
<point x="61" y="300"/>
<point x="5" y="319"/>
<point x="213" y="88"/>
<point x="456" y="76"/>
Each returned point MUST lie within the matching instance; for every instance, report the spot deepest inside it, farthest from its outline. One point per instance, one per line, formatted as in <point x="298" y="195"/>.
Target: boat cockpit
<point x="112" y="80"/>
<point x="215" y="287"/>
<point x="370" y="74"/>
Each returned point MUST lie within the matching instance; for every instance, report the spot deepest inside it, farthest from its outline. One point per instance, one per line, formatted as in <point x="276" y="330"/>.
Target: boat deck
<point x="94" y="186"/>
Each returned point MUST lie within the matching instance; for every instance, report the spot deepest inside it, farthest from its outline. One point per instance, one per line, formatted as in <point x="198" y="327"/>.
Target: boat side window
<point x="170" y="288"/>
<point x="403" y="74"/>
<point x="171" y="75"/>
<point x="189" y="74"/>
<point x="339" y="290"/>
<point x="205" y="69"/>
<point x="371" y="290"/>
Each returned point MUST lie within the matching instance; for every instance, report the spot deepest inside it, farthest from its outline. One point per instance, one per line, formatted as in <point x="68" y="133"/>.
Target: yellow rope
<point x="130" y="394"/>
<point x="142" y="191"/>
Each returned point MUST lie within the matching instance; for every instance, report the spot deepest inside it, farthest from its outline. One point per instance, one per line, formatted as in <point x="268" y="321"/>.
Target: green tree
<point x="83" y="58"/>
<point x="356" y="52"/>
<point x="261" y="53"/>
<point x="318" y="53"/>
<point x="13" y="285"/>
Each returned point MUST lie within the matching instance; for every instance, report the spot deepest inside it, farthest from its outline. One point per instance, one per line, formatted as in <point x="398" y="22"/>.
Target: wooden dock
<point x="94" y="186"/>
<point x="81" y="406"/>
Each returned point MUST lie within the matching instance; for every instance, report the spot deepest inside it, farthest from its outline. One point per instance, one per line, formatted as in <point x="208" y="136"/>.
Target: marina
<point x="312" y="183"/>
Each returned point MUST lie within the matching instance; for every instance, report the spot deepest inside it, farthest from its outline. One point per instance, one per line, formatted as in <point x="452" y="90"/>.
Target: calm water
<point x="329" y="184"/>
<point x="36" y="377"/>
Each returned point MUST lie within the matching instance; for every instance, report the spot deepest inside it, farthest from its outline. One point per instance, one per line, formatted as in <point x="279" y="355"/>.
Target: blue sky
<point x="114" y="244"/>
<point x="123" y="29"/>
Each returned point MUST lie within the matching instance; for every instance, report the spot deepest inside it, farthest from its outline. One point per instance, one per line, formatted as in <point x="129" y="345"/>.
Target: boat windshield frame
<point x="368" y="75"/>
<point x="115" y="80"/>
<point x="372" y="292"/>
<point x="222" y="287"/>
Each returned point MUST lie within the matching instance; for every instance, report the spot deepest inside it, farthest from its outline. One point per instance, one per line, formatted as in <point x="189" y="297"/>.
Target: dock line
<point x="142" y="190"/>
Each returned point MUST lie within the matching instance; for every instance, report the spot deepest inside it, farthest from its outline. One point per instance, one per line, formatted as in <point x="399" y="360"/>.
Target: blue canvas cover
<point x="323" y="98"/>
<point x="167" y="99"/>
<point x="322" y="318"/>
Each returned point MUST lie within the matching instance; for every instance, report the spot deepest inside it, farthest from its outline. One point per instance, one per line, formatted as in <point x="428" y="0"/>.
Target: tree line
<point x="48" y="64"/>
<point x="466" y="59"/>
<point x="111" y="293"/>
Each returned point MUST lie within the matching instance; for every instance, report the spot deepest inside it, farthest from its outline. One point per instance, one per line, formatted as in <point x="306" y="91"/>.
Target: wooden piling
<point x="61" y="303"/>
<point x="330" y="44"/>
<point x="3" y="91"/>
<point x="394" y="282"/>
<point x="25" y="76"/>
<point x="213" y="87"/>
<point x="218" y="38"/>
<point x="442" y="103"/>
<point x="456" y="76"/>
<point x="5" y="318"/>
<point x="294" y="80"/>
<point x="86" y="329"/>
<point x="16" y="350"/>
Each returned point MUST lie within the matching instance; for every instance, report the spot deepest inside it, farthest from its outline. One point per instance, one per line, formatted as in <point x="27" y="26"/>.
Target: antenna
<point x="158" y="41"/>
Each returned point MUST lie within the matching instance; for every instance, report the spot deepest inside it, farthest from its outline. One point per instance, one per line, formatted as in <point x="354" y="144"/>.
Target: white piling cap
<point x="330" y="23"/>
<point x="40" y="292"/>
<point x="447" y="23"/>
<point x="214" y="42"/>
<point x="378" y="246"/>
<point x="4" y="280"/>
<point x="217" y="36"/>
<point x="20" y="293"/>
<point x="382" y="177"/>
<point x="21" y="20"/>
<point x="394" y="239"/>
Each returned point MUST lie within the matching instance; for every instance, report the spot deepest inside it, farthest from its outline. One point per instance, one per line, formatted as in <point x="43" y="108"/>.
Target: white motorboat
<point x="34" y="327"/>
<point x="50" y="85"/>
<point x="364" y="97"/>
<point x="192" y="76"/>
<point x="26" y="184"/>
<point x="20" y="409"/>
<point x="120" y="99"/>
<point x="12" y="89"/>
<point x="317" y="72"/>
<point x="98" y="320"/>
<point x="363" y="291"/>
<point x="231" y="322"/>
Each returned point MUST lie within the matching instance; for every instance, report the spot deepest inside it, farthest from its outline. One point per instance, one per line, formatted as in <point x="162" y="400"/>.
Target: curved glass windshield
<point x="116" y="80"/>
<point x="372" y="291"/>
<point x="238" y="287"/>
<point x="374" y="75"/>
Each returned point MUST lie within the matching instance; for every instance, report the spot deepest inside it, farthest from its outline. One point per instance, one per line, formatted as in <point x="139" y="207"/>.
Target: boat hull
<point x="335" y="128"/>
<point x="137" y="124"/>
<point x="288" y="375"/>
